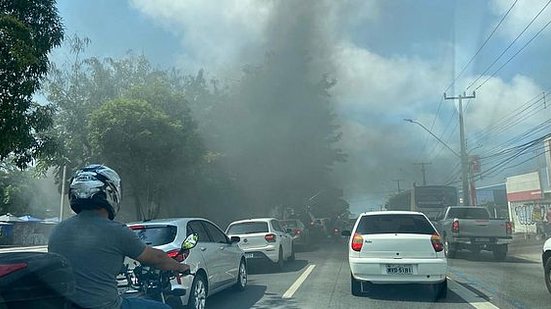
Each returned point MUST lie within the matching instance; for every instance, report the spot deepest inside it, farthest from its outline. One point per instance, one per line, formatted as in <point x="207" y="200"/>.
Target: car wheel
<point x="242" y="277"/>
<point x="355" y="286"/>
<point x="198" y="297"/>
<point x="280" y="261"/>
<point x="440" y="290"/>
<point x="547" y="274"/>
<point x="500" y="252"/>
<point x="292" y="257"/>
<point x="449" y="249"/>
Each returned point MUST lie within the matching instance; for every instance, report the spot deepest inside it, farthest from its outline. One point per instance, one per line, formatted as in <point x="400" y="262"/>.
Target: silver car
<point x="217" y="261"/>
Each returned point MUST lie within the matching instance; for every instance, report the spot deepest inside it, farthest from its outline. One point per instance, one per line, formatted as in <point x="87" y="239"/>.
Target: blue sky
<point x="392" y="60"/>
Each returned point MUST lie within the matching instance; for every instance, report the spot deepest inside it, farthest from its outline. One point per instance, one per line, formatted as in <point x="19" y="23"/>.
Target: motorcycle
<point x="148" y="282"/>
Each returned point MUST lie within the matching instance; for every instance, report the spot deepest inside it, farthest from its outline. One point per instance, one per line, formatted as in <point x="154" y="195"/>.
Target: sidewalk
<point x="528" y="249"/>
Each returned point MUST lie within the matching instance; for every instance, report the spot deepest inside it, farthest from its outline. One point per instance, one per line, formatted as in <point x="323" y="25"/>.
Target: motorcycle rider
<point x="96" y="246"/>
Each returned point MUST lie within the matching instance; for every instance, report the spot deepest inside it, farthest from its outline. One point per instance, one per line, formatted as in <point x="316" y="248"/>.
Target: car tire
<point x="449" y="249"/>
<point x="242" y="276"/>
<point x="198" y="293"/>
<point x="440" y="290"/>
<point x="500" y="252"/>
<point x="355" y="286"/>
<point x="292" y="257"/>
<point x="547" y="274"/>
<point x="280" y="260"/>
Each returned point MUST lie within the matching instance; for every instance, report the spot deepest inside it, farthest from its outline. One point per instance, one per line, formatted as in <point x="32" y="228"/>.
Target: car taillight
<point x="10" y="268"/>
<point x="175" y="254"/>
<point x="455" y="226"/>
<point x="436" y="243"/>
<point x="508" y="227"/>
<point x="357" y="242"/>
<point x="137" y="227"/>
<point x="270" y="237"/>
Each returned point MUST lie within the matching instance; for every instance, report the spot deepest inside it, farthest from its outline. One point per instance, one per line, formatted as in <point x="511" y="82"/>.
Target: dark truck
<point x="472" y="228"/>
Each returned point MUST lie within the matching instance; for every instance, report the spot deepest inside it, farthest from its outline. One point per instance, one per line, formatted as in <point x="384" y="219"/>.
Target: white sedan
<point x="396" y="247"/>
<point x="263" y="239"/>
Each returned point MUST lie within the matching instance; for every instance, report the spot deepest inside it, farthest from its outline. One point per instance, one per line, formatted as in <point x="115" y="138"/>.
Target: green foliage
<point x="28" y="32"/>
<point x="141" y="141"/>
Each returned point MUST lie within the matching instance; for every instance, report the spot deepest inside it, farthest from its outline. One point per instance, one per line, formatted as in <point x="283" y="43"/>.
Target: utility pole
<point x="464" y="158"/>
<point x="62" y="193"/>
<point x="398" y="183"/>
<point x="423" y="171"/>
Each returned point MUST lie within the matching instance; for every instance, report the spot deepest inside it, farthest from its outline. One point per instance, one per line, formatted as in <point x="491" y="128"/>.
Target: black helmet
<point x="95" y="186"/>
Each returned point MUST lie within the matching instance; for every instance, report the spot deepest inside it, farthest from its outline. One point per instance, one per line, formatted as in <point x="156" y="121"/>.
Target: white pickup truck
<point x="471" y="228"/>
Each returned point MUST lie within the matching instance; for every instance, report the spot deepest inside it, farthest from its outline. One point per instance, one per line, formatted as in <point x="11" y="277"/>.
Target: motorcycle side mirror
<point x="289" y="231"/>
<point x="346" y="233"/>
<point x="190" y="242"/>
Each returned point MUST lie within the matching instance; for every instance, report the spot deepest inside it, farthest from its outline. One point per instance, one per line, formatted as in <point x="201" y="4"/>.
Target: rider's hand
<point x="184" y="268"/>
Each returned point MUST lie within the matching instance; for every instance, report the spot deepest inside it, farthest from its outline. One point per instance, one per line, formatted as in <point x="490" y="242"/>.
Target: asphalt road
<point x="477" y="282"/>
<point x="320" y="278"/>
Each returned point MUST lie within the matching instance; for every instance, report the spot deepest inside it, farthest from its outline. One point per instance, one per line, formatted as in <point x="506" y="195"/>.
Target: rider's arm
<point x="159" y="259"/>
<point x="133" y="247"/>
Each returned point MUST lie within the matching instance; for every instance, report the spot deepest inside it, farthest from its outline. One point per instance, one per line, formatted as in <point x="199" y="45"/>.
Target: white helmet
<point x="95" y="186"/>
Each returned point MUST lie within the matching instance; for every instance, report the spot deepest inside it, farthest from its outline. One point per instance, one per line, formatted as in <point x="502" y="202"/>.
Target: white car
<point x="263" y="239"/>
<point x="396" y="247"/>
<point x="546" y="259"/>
<point x="217" y="261"/>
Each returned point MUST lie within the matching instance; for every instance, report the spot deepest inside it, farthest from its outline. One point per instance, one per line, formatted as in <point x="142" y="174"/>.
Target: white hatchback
<point x="396" y="247"/>
<point x="263" y="239"/>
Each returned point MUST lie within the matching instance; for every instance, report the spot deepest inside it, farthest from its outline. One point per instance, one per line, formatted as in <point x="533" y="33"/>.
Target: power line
<point x="482" y="46"/>
<point x="514" y="55"/>
<point x="508" y="47"/>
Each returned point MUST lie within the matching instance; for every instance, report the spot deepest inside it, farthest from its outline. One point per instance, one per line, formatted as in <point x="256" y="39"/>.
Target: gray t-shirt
<point x="95" y="246"/>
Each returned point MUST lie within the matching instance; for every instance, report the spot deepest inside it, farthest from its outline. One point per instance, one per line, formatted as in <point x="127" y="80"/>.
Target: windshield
<point x="290" y="223"/>
<point x="248" y="228"/>
<point x="468" y="213"/>
<point x="287" y="123"/>
<point x="403" y="224"/>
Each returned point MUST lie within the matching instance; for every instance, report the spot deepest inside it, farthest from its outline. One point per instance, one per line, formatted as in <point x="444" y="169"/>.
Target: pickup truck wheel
<point x="500" y="252"/>
<point x="547" y="274"/>
<point x="449" y="249"/>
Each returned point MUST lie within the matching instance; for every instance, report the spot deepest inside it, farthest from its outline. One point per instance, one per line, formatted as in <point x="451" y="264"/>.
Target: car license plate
<point x="399" y="269"/>
<point x="482" y="239"/>
<point x="249" y="255"/>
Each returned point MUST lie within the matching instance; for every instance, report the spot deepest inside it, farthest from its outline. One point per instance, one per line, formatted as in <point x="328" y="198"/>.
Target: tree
<point x="149" y="149"/>
<point x="28" y="32"/>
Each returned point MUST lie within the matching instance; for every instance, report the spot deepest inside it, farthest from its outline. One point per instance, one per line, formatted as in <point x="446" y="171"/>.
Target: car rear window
<point x="290" y="223"/>
<point x="155" y="235"/>
<point x="468" y="213"/>
<point x="384" y="224"/>
<point x="248" y="228"/>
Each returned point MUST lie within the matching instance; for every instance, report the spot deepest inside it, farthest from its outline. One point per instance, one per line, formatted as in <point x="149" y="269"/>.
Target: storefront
<point x="527" y="207"/>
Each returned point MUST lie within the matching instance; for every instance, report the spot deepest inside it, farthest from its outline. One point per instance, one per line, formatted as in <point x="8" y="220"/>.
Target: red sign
<point x="532" y="195"/>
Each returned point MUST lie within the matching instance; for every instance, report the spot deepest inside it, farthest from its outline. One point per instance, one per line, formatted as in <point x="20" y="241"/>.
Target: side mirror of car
<point x="235" y="239"/>
<point x="346" y="233"/>
<point x="190" y="242"/>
